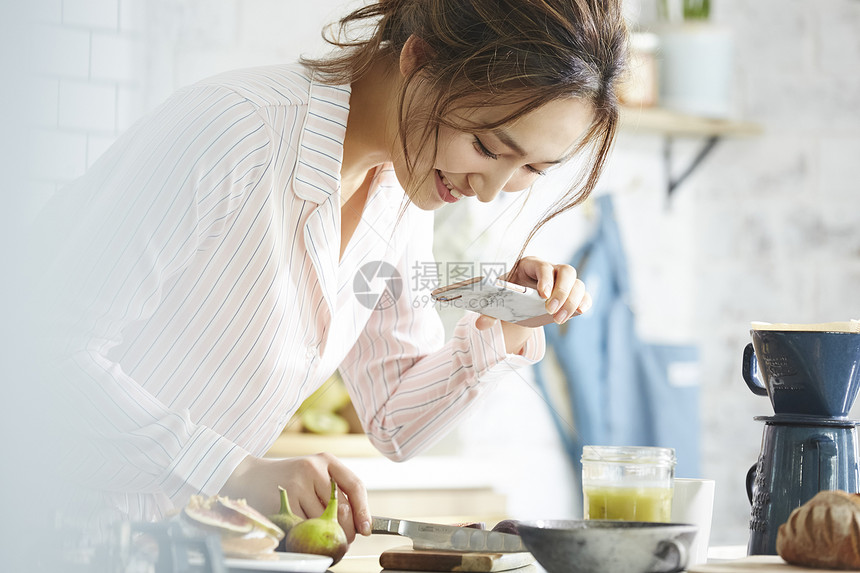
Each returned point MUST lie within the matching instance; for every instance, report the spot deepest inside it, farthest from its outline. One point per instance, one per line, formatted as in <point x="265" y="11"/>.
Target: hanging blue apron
<point x="620" y="390"/>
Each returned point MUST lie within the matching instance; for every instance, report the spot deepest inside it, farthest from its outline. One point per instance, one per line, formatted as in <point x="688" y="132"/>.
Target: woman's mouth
<point x="447" y="192"/>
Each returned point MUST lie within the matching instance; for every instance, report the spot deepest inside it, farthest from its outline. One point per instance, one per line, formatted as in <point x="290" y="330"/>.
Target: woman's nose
<point x="488" y="185"/>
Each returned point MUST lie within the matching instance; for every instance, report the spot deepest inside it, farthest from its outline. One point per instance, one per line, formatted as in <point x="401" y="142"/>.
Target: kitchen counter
<point x="363" y="555"/>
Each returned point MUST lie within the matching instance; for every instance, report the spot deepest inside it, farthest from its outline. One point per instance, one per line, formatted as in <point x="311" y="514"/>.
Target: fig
<point x="321" y="535"/>
<point x="285" y="518"/>
<point x="324" y="422"/>
<point x="318" y="413"/>
<point x="329" y="397"/>
<point x="508" y="526"/>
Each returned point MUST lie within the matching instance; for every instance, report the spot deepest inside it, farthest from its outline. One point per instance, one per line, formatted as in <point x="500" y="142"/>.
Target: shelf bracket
<point x="673" y="183"/>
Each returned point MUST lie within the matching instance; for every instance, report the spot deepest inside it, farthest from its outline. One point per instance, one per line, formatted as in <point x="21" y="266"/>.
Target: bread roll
<point x="824" y="532"/>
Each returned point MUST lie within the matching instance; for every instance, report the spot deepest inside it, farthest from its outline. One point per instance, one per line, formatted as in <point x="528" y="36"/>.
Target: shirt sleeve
<point x="116" y="238"/>
<point x="408" y="385"/>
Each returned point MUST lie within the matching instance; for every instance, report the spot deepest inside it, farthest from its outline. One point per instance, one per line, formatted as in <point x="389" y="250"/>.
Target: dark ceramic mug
<point x="804" y="372"/>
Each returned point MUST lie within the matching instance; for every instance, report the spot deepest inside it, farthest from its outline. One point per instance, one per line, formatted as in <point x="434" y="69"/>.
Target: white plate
<point x="297" y="562"/>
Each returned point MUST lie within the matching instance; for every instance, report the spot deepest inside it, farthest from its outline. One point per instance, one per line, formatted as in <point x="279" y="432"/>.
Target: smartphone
<point x="497" y="298"/>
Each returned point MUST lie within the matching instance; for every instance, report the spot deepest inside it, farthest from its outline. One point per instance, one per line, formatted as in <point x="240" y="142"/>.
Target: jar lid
<point x="629" y="454"/>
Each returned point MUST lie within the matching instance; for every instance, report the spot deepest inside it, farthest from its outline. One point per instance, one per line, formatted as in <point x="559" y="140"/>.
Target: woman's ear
<point x="414" y="53"/>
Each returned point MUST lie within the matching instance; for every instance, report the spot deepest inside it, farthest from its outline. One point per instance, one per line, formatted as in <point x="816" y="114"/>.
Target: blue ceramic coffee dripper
<point x="809" y="444"/>
<point x="804" y="372"/>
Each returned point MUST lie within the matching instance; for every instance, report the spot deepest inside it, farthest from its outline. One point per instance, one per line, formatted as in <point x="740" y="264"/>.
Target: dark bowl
<point x="598" y="546"/>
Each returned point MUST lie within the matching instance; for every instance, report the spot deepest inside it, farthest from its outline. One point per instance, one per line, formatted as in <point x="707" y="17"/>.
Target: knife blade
<point x="449" y="537"/>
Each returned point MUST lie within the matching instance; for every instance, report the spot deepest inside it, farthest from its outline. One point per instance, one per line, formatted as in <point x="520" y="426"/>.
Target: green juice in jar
<point x="629" y="503"/>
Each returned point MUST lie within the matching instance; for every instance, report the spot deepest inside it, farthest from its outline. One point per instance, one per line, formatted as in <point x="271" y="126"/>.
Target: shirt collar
<point x="321" y="146"/>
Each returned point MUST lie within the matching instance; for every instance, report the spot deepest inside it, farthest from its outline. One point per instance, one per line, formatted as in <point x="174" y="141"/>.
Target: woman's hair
<point x="521" y="53"/>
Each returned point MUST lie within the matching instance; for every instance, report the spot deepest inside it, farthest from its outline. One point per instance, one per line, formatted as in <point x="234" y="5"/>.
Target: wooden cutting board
<point x="754" y="564"/>
<point x="409" y="559"/>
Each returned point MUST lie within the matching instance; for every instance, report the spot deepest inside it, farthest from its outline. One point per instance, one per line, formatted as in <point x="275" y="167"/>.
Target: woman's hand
<point x="565" y="297"/>
<point x="308" y="485"/>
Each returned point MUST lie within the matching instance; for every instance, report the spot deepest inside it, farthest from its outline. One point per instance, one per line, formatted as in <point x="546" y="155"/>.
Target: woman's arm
<point x="113" y="242"/>
<point x="408" y="385"/>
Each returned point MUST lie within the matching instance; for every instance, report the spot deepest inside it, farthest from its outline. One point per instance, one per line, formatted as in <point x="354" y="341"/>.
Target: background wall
<point x="766" y="229"/>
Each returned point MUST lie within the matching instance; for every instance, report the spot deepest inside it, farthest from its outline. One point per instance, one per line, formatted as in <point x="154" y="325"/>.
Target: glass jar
<point x="630" y="483"/>
<point x="640" y="86"/>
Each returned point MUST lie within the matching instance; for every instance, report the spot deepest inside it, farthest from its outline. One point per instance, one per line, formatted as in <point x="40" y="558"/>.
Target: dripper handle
<point x="751" y="373"/>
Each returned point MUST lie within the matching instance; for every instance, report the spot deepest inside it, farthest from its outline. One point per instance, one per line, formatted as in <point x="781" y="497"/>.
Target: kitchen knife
<point x="449" y="537"/>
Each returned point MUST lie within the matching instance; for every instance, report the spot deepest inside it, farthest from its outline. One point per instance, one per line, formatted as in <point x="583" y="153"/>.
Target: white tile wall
<point x="58" y="155"/>
<point x="44" y="93"/>
<point x="112" y="57"/>
<point x="96" y="146"/>
<point x="132" y="15"/>
<point x="130" y="102"/>
<point x="66" y="51"/>
<point x="89" y="78"/>
<point x="93" y="14"/>
<point x="46" y="11"/>
<point x="272" y="26"/>
<point x="87" y="106"/>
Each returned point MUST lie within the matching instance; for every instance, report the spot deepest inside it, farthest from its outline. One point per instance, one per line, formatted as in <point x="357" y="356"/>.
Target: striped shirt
<point x="202" y="296"/>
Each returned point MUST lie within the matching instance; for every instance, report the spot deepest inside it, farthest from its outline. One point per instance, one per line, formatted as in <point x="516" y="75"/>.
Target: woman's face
<point x="481" y="164"/>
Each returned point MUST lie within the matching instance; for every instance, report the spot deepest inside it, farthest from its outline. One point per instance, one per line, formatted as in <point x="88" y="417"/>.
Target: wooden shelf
<point x="666" y="122"/>
<point x="344" y="446"/>
<point x="670" y="124"/>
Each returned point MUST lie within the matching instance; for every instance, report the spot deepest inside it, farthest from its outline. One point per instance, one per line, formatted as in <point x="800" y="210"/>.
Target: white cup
<point x="693" y="502"/>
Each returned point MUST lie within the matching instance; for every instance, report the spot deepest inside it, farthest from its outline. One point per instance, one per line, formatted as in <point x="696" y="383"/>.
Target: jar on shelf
<point x="640" y="87"/>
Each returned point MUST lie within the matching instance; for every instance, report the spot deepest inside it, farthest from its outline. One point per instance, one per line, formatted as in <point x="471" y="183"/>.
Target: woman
<point x="204" y="275"/>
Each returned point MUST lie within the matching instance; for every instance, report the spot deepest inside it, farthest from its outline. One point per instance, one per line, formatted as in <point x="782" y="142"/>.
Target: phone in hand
<point x="497" y="298"/>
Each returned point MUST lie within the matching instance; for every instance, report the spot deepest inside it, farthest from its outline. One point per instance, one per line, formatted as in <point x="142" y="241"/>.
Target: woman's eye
<point x="483" y="150"/>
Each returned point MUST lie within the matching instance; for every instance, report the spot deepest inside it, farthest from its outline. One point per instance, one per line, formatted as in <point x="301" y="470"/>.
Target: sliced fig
<point x="241" y="507"/>
<point x="248" y="547"/>
<point x="204" y="512"/>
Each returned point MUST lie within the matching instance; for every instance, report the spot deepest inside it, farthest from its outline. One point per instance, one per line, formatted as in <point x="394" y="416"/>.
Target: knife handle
<point x="386" y="525"/>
